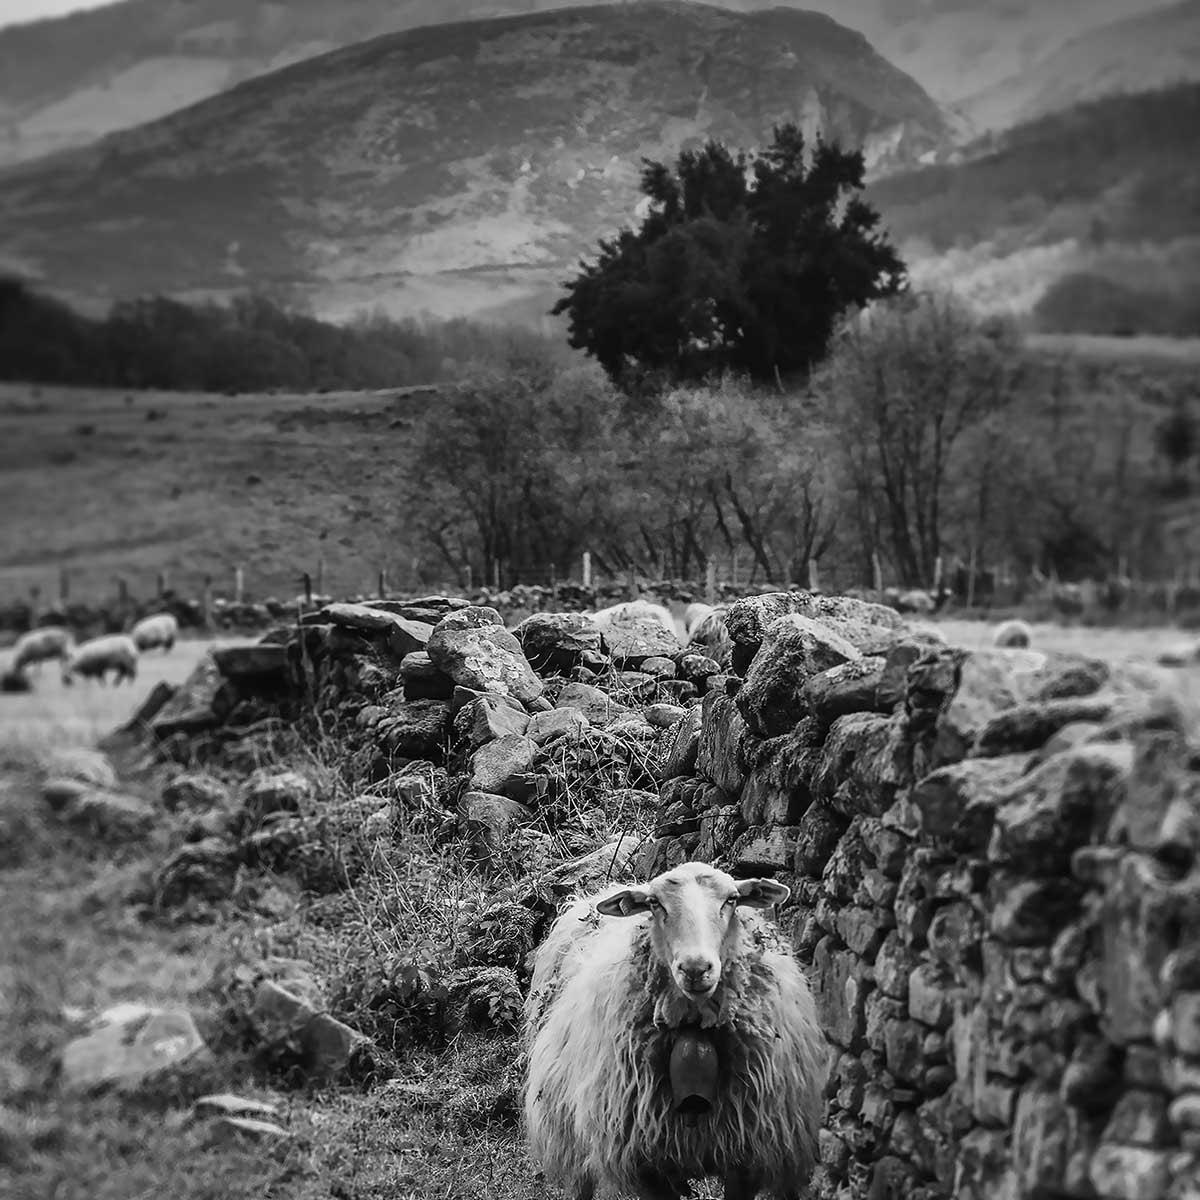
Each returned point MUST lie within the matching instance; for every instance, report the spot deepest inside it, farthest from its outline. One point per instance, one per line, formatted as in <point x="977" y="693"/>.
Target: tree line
<point x="254" y="343"/>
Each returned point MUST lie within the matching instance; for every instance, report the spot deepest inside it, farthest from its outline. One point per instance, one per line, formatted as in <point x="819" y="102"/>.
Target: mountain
<point x="448" y="168"/>
<point x="1108" y="188"/>
<point x="1140" y="53"/>
<point x="67" y="81"/>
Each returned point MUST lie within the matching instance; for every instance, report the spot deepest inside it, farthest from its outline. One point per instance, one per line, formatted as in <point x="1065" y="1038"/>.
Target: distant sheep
<point x="694" y="614"/>
<point x="116" y="652"/>
<point x="672" y="1036"/>
<point x="40" y="645"/>
<point x="629" y="610"/>
<point x="159" y="630"/>
<point x="1012" y="635"/>
<point x="709" y="636"/>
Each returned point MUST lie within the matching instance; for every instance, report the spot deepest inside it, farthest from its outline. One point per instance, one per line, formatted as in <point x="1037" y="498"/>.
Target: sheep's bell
<point x="694" y="1073"/>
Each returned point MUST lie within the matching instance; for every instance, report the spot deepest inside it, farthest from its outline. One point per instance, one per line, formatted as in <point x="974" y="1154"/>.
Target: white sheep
<point x="1012" y="635"/>
<point x="115" y="652"/>
<point x="159" y="630"/>
<point x="672" y="1036"/>
<point x="629" y="610"/>
<point x="709" y="636"/>
<point x="40" y="645"/>
<point x="694" y="614"/>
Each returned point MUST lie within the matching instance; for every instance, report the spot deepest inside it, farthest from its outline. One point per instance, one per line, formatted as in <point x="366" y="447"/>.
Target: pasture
<point x="74" y="941"/>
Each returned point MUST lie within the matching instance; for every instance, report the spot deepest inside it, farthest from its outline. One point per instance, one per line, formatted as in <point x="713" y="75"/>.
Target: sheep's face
<point x="693" y="914"/>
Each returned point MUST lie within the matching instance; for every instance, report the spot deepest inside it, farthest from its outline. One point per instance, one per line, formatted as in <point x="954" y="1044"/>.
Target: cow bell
<point x="694" y="1075"/>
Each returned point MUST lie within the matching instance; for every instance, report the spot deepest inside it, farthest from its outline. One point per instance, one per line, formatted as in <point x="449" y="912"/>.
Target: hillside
<point x="1111" y="187"/>
<point x="1149" y="50"/>
<point x="448" y="168"/>
<point x="66" y="82"/>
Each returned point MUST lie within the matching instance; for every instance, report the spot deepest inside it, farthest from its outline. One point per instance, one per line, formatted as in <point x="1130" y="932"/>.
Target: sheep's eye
<point x="656" y="905"/>
<point x="731" y="902"/>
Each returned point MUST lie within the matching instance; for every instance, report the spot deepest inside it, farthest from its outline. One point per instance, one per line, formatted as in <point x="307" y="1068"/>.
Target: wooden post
<point x="239" y="584"/>
<point x="814" y="577"/>
<point x="662" y="566"/>
<point x="308" y="589"/>
<point x="469" y="588"/>
<point x="320" y="576"/>
<point x="710" y="582"/>
<point x="496" y="573"/>
<point x="122" y="591"/>
<point x="587" y="568"/>
<point x="206" y="602"/>
<point x="35" y="605"/>
<point x="160" y="584"/>
<point x="937" y="576"/>
<point x="876" y="572"/>
<point x="971" y="579"/>
<point x="64" y="587"/>
<point x="734" y="567"/>
<point x="383" y="583"/>
<point x="631" y="587"/>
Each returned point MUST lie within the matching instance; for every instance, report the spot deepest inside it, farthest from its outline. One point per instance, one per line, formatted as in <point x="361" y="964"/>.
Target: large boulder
<point x="794" y="649"/>
<point x="476" y="651"/>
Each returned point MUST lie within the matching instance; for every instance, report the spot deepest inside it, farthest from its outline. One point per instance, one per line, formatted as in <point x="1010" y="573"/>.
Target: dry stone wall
<point x="992" y="855"/>
<point x="995" y="887"/>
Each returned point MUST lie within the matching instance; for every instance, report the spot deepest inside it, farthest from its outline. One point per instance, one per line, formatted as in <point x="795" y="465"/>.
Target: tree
<point x="742" y="262"/>
<point x="904" y="385"/>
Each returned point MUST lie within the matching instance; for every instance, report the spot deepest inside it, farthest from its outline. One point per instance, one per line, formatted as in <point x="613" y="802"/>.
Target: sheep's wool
<point x="600" y="1023"/>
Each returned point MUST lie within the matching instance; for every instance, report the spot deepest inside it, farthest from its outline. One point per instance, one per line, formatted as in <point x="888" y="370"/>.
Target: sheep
<point x="709" y="636"/>
<point x="671" y="1036"/>
<point x="39" y="645"/>
<point x="1012" y="635"/>
<point x="694" y="614"/>
<point x="627" y="610"/>
<point x="116" y="652"/>
<point x="159" y="630"/>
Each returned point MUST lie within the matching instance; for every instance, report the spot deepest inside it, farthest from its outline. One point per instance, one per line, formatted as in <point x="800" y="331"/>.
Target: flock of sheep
<point x="93" y="659"/>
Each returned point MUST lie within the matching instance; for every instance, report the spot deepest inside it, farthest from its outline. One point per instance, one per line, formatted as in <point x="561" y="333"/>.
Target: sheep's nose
<point x="696" y="971"/>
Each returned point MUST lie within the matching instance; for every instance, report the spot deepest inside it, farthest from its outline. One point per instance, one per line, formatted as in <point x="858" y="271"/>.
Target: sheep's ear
<point x="761" y="893"/>
<point x="625" y="904"/>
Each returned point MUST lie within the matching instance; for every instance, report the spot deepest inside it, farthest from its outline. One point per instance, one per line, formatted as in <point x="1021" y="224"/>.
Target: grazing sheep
<point x="39" y="645"/>
<point x="694" y="614"/>
<point x="1012" y="635"/>
<point x="628" y="610"/>
<point x="159" y="630"/>
<point x="92" y="660"/>
<point x="672" y="1036"/>
<point x="709" y="636"/>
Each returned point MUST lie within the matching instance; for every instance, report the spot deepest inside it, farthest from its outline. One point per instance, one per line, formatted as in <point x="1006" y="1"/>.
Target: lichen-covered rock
<point x="556" y="643"/>
<point x="766" y="850"/>
<point x="840" y="992"/>
<point x="794" y="649"/>
<point x="697" y="668"/>
<point x="476" y="651"/>
<point x="865" y="761"/>
<point x="893" y="679"/>
<point x="486" y="718"/>
<point x="851" y="687"/>
<point x="778" y="787"/>
<point x="722" y="732"/>
<point x="1067" y="802"/>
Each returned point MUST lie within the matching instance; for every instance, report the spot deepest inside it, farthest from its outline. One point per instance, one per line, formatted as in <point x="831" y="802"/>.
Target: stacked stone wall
<point x="995" y="889"/>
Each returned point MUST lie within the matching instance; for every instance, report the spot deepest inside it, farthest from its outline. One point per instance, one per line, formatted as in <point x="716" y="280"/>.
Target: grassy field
<point x="109" y="484"/>
<point x="71" y="944"/>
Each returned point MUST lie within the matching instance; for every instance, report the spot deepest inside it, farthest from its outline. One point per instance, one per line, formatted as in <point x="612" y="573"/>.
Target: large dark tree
<point x="743" y="262"/>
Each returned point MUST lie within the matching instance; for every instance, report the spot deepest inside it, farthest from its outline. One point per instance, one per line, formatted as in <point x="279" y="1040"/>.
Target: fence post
<point x="320" y="576"/>
<point x="734" y="567"/>
<point x="239" y="584"/>
<point x="937" y="576"/>
<point x="469" y="588"/>
<point x="876" y="572"/>
<point x="971" y="579"/>
<point x="496" y="573"/>
<point x="122" y="591"/>
<point x="64" y="587"/>
<point x="35" y="605"/>
<point x="631" y="587"/>
<point x="710" y="582"/>
<point x="587" y="568"/>
<point x="308" y="589"/>
<point x="160" y="584"/>
<point x="814" y="577"/>
<point x="206" y="603"/>
<point x="383" y="583"/>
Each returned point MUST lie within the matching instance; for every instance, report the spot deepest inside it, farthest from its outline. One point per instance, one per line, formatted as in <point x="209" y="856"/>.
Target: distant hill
<point x="1110" y="188"/>
<point x="449" y="168"/>
<point x="67" y="81"/>
<point x="1149" y="50"/>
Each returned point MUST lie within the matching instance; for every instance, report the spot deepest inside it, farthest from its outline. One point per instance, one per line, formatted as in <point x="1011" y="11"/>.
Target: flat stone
<point x="848" y="688"/>
<point x="269" y="791"/>
<point x="599" y="708"/>
<point x="490" y="819"/>
<point x="487" y="718"/>
<point x="631" y="640"/>
<point x="546" y="727"/>
<point x="1025" y="727"/>
<point x="131" y="1051"/>
<point x="663" y="716"/>
<point x="251" y="662"/>
<point x="499" y="766"/>
<point x="764" y="850"/>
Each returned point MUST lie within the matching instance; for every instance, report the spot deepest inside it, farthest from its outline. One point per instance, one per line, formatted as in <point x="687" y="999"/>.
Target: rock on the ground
<point x="195" y="791"/>
<point x="597" y="706"/>
<point x="631" y="640"/>
<point x="546" y="727"/>
<point x="476" y="651"/>
<point x="270" y="791"/>
<point x="556" y="643"/>
<point x="110" y="816"/>
<point x="500" y="766"/>
<point x="206" y="870"/>
<point x="133" y="1048"/>
<point x="486" y="718"/>
<point x="490" y="819"/>
<point x="663" y="716"/>
<point x="416" y="729"/>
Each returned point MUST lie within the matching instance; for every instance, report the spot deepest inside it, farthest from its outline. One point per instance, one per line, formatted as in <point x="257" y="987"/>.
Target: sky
<point x="13" y="12"/>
